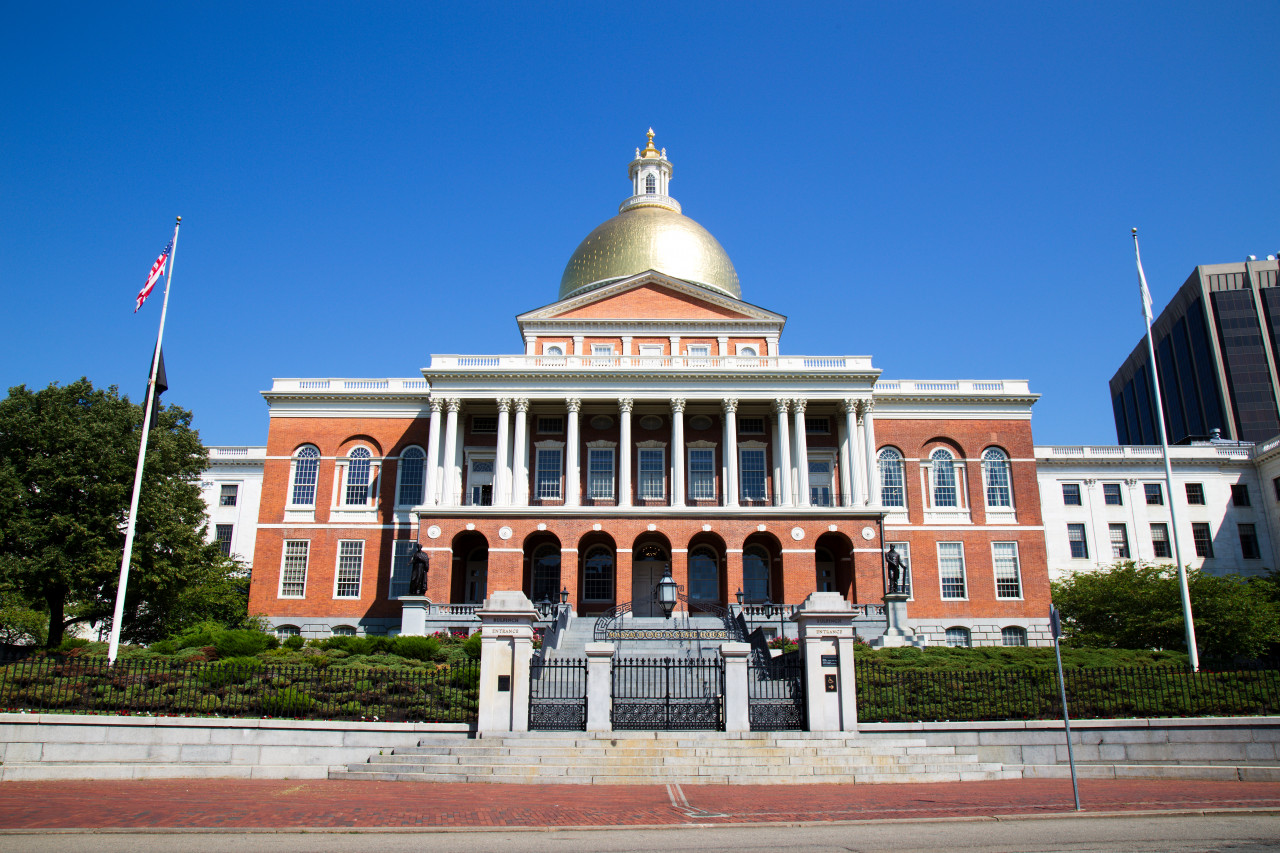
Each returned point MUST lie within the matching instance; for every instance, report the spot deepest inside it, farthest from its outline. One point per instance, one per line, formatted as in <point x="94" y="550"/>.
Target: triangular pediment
<point x="652" y="296"/>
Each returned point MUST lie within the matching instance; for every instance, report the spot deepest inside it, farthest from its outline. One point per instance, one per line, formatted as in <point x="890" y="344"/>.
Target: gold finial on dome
<point x="649" y="151"/>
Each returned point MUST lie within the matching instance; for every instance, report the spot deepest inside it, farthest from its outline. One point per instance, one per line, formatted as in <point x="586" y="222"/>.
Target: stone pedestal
<point x="506" y="649"/>
<point x="599" y="687"/>
<point x="413" y="615"/>
<point x="825" y="622"/>
<point x="737" y="713"/>
<point x="897" y="634"/>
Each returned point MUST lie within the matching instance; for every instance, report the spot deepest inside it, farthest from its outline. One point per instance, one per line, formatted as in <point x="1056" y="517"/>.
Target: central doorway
<point x="647" y="568"/>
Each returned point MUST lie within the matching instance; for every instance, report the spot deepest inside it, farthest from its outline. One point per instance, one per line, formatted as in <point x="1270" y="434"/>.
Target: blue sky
<point x="947" y="187"/>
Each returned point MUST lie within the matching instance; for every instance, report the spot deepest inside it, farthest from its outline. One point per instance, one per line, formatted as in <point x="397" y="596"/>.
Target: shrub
<point x="286" y="703"/>
<point x="416" y="648"/>
<point x="239" y="642"/>
<point x="293" y="643"/>
<point x="472" y="646"/>
<point x="71" y="644"/>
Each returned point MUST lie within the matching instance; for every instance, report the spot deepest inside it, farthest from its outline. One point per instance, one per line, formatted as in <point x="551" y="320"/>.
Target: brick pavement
<point x="320" y="804"/>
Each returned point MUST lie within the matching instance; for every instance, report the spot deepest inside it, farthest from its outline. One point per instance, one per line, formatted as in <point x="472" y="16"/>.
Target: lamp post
<point x="667" y="593"/>
<point x="741" y="596"/>
<point x="544" y="607"/>
<point x="564" y="596"/>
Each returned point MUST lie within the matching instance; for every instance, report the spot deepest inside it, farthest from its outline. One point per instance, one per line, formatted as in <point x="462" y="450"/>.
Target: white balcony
<point x="607" y="363"/>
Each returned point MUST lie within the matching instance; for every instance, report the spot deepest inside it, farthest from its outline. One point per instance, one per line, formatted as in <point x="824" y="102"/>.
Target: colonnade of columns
<point x="859" y="483"/>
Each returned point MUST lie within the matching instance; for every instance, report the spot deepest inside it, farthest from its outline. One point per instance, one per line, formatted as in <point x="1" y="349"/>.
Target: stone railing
<point x="954" y="386"/>
<point x="392" y="385"/>
<point x="1147" y="453"/>
<point x="842" y="363"/>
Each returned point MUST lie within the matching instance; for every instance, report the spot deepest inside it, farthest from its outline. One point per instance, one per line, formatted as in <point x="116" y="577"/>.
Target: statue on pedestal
<point x="896" y="566"/>
<point x="421" y="564"/>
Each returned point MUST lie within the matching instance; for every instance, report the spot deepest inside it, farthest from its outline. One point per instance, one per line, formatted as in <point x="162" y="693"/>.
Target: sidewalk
<point x="318" y="804"/>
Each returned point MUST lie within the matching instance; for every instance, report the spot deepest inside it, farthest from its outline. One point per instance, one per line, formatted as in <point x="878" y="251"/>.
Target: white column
<point x="572" y="466"/>
<point x="782" y="452"/>
<point x="448" y="493"/>
<point x="675" y="346"/>
<point x="802" y="453"/>
<point x="867" y="409"/>
<point x="577" y="344"/>
<point x="433" y="453"/>
<point x="624" y="451"/>
<point x="520" y="456"/>
<point x="722" y="343"/>
<point x="851" y="471"/>
<point x="502" y="470"/>
<point x="677" y="452"/>
<point x="730" y="452"/>
<point x="626" y="345"/>
<point x="530" y="345"/>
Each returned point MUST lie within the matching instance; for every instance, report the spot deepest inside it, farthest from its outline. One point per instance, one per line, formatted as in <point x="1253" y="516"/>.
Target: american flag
<point x="157" y="270"/>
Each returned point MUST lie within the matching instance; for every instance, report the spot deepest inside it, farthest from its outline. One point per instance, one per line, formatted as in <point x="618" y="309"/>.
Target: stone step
<point x="582" y="753"/>
<point x="533" y="774"/>
<point x="675" y="759"/>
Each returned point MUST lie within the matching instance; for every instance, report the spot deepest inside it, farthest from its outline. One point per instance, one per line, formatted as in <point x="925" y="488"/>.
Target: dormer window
<point x="651" y="185"/>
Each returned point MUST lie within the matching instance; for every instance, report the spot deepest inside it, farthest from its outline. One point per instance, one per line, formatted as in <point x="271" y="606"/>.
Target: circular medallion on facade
<point x="797" y="533"/>
<point x="542" y="525"/>
<point x="433" y="532"/>
<point x="504" y="532"/>
<point x="868" y="533"/>
<point x="651" y="422"/>
<point x="652" y="527"/>
<point x="706" y="528"/>
<point x="700" y="422"/>
<point x="470" y="526"/>
<point x="601" y="422"/>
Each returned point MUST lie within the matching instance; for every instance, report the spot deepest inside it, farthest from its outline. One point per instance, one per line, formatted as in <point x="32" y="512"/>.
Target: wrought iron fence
<point x="668" y="694"/>
<point x="79" y="685"/>
<point x="885" y="695"/>
<point x="775" y="693"/>
<point x="558" y="694"/>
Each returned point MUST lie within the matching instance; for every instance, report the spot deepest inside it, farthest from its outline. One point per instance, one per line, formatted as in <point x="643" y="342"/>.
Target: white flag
<point x="1142" y="280"/>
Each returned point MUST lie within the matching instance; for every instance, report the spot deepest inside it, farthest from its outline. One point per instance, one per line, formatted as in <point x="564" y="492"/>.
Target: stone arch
<point x="766" y="547"/>
<point x="597" y="572"/>
<point x="469" y="568"/>
<point x="650" y="552"/>
<point x="842" y="579"/>
<point x="542" y="551"/>
<point x="708" y="544"/>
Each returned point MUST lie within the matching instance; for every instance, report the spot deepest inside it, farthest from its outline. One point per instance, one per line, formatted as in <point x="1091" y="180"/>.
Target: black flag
<point x="162" y="385"/>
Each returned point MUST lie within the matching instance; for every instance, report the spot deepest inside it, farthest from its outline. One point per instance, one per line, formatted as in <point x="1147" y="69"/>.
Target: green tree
<point x="1138" y="606"/>
<point x="67" y="457"/>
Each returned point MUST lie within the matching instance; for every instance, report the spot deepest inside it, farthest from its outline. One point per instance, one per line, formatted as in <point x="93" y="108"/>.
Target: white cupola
<point x="650" y="178"/>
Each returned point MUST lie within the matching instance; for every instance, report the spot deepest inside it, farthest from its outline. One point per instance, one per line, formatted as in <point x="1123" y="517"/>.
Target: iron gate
<point x="668" y="694"/>
<point x="776" y="693"/>
<point x="558" y="695"/>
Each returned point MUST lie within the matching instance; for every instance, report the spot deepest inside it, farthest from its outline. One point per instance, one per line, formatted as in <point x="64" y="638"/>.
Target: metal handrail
<point x="605" y="621"/>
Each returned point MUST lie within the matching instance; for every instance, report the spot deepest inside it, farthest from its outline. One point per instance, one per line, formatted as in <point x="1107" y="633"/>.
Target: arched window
<point x="995" y="474"/>
<point x="358" y="470"/>
<point x="597" y="574"/>
<point x="343" y="631"/>
<point x="651" y="185"/>
<point x="892" y="481"/>
<point x="553" y="350"/>
<point x="755" y="573"/>
<point x="546" y="573"/>
<point x="958" y="637"/>
<point x="306" y="467"/>
<point x="1012" y="635"/>
<point x="286" y="631"/>
<point x="704" y="574"/>
<point x="944" y="478"/>
<point x="412" y="471"/>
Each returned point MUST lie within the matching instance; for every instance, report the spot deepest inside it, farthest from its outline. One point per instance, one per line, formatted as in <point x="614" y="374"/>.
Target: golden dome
<point x="650" y="238"/>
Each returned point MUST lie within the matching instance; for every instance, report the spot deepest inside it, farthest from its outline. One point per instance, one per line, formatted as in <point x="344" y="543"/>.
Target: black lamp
<point x="741" y="596"/>
<point x="667" y="593"/>
<point x="564" y="595"/>
<point x="544" y="606"/>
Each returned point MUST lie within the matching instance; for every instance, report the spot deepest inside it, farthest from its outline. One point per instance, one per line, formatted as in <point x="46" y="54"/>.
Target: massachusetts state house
<point x="651" y="419"/>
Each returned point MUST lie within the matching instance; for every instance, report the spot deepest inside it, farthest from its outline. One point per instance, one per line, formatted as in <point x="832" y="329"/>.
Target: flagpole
<point x="114" y="645"/>
<point x="1168" y="467"/>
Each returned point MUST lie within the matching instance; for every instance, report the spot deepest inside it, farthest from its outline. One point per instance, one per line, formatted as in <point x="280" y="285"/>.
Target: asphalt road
<point x="1242" y="833"/>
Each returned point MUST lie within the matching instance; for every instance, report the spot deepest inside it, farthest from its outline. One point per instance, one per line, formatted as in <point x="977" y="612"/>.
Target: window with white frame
<point x="401" y="567"/>
<point x="553" y="350"/>
<point x="293" y="568"/>
<point x="893" y="490"/>
<point x="942" y="472"/>
<point x="1013" y="635"/>
<point x="284" y="632"/>
<point x="547" y="473"/>
<point x="306" y="469"/>
<point x="958" y="637"/>
<point x="597" y="574"/>
<point x="820" y="482"/>
<point x="652" y="473"/>
<point x="995" y="476"/>
<point x="702" y="474"/>
<point x="412" y="471"/>
<point x="704" y="574"/>
<point x="651" y="349"/>
<point x="1160" y="540"/>
<point x="602" y="349"/>
<point x="222" y="535"/>
<point x="600" y="473"/>
<point x="350" y="567"/>
<point x="650" y="185"/>
<point x="751" y="474"/>
<point x="1119" y="541"/>
<point x="755" y="574"/>
<point x="699" y="350"/>
<point x="359" y="471"/>
<point x="951" y="569"/>
<point x="1004" y="556"/>
<point x="344" y="631"/>
<point x="228" y="494"/>
<point x="904" y="578"/>
<point x="1071" y="494"/>
<point x="747" y="351"/>
<point x="1078" y="541"/>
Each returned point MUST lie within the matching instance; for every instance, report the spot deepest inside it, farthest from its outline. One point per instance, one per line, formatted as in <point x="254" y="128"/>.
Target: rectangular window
<point x="550" y="424"/>
<point x="602" y="349"/>
<point x="751" y="474"/>
<point x="1275" y="485"/>
<point x="1119" y="541"/>
<point x="484" y="424"/>
<point x="1195" y="494"/>
<point x="1155" y="494"/>
<point x="350" y="565"/>
<point x="222" y="535"/>
<point x="699" y="350"/>
<point x="653" y="470"/>
<point x="951" y="569"/>
<point x="702" y="474"/>
<point x="548" y="473"/>
<point x="820" y="482"/>
<point x="904" y="580"/>
<point x="400" y="568"/>
<point x="1249" y="542"/>
<point x="1004" y="556"/>
<point x="1071" y="494"/>
<point x="228" y="495"/>
<point x="1160" y="541"/>
<point x="817" y="426"/>
<point x="1203" y="538"/>
<point x="1079" y="544"/>
<point x="600" y="473"/>
<point x="293" y="568"/>
<point x="651" y="349"/>
<point x="1239" y="494"/>
<point x="1111" y="494"/>
<point x="755" y="426"/>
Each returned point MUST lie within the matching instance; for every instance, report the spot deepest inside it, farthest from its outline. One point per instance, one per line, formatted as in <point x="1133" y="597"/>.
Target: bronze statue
<point x="421" y="564"/>
<point x="896" y="565"/>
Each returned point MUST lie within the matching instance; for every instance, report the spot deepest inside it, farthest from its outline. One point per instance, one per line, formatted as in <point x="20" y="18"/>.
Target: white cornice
<point x="702" y="294"/>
